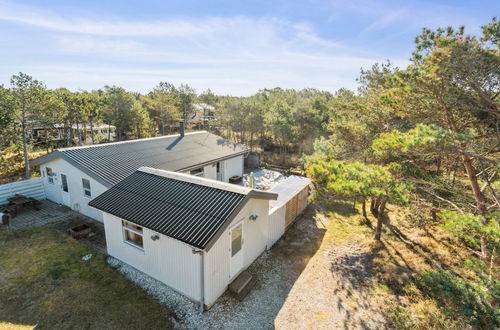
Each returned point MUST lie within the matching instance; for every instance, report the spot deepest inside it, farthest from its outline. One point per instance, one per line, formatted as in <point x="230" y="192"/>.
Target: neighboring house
<point x="194" y="234"/>
<point x="73" y="176"/>
<point x="59" y="133"/>
<point x="203" y="113"/>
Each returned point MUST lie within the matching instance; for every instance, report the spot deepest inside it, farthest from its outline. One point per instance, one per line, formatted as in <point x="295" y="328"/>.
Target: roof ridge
<point x="196" y="180"/>
<point x="129" y="141"/>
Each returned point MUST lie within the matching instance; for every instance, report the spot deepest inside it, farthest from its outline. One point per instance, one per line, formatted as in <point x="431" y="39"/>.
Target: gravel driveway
<point x="303" y="282"/>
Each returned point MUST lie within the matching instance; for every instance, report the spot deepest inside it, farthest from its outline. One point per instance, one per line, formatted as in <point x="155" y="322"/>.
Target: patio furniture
<point x="19" y="202"/>
<point x="8" y="209"/>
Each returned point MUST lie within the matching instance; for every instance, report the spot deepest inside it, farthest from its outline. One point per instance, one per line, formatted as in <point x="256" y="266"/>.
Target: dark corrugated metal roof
<point x="112" y="162"/>
<point x="190" y="212"/>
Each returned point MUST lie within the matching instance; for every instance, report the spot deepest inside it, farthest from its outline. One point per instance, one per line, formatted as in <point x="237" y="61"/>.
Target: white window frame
<point x="126" y="228"/>
<point x="89" y="189"/>
<point x="200" y="171"/>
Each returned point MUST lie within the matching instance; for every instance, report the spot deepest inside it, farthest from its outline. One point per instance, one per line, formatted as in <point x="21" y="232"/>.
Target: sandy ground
<point x="307" y="280"/>
<point x="333" y="290"/>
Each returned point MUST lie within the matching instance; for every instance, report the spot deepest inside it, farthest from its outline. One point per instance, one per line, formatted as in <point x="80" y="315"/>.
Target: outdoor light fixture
<point x="253" y="217"/>
<point x="155" y="237"/>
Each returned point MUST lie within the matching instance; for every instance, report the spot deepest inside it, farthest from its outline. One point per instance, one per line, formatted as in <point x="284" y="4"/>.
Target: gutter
<point x="202" y="278"/>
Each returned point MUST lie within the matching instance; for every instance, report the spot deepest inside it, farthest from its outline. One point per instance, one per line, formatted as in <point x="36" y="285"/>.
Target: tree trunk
<point x="480" y="201"/>
<point x="78" y="135"/>
<point x="27" y="173"/>
<point x="363" y="208"/>
<point x="251" y="139"/>
<point x="380" y="219"/>
<point x="471" y="174"/>
<point x="71" y="134"/>
<point x="374" y="206"/>
<point x="91" y="124"/>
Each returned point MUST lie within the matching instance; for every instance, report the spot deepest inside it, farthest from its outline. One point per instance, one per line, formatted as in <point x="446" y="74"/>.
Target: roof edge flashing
<point x="209" y="183"/>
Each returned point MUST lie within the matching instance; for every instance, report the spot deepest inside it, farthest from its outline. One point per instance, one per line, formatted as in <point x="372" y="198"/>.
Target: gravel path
<point x="302" y="283"/>
<point x="256" y="311"/>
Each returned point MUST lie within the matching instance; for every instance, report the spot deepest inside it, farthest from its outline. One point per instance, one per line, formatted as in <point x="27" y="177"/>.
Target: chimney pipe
<point x="181" y="128"/>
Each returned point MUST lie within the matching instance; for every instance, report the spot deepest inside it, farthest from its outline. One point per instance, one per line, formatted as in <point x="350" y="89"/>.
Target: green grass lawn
<point x="45" y="283"/>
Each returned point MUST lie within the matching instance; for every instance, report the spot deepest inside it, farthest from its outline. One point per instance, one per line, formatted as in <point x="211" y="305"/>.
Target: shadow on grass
<point x="431" y="258"/>
<point x="342" y="207"/>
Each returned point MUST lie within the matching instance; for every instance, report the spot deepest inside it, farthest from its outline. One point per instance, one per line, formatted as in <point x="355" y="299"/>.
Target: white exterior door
<point x="236" y="249"/>
<point x="66" y="198"/>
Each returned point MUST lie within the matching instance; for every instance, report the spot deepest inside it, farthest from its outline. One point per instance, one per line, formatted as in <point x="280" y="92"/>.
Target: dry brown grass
<point x="12" y="166"/>
<point x="405" y="252"/>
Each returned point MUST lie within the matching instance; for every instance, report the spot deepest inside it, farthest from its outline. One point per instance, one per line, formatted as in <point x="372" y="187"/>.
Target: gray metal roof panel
<point x="186" y="211"/>
<point x="112" y="162"/>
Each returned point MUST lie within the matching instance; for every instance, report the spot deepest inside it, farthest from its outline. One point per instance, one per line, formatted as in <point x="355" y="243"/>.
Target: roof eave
<point x="226" y="224"/>
<point x="58" y="154"/>
<point x="243" y="152"/>
<point x="132" y="221"/>
<point x="252" y="194"/>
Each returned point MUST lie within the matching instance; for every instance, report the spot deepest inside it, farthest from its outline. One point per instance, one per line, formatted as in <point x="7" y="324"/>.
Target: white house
<point x="73" y="176"/>
<point x="194" y="234"/>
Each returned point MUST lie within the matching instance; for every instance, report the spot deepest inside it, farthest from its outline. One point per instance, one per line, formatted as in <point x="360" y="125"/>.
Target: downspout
<point x="202" y="278"/>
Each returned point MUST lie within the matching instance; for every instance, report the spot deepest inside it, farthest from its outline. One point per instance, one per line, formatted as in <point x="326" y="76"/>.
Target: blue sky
<point x="231" y="47"/>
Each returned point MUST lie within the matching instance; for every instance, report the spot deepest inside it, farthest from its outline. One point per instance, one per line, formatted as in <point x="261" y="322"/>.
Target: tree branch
<point x="445" y="200"/>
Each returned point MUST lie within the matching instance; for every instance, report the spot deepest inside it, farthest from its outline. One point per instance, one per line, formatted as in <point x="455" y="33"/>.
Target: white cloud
<point x="48" y="20"/>
<point x="233" y="55"/>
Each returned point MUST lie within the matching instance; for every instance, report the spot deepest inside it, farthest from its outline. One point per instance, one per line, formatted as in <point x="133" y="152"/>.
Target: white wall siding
<point x="256" y="234"/>
<point x="210" y="171"/>
<point x="217" y="269"/>
<point x="30" y="188"/>
<point x="78" y="201"/>
<point x="276" y="224"/>
<point x="217" y="259"/>
<point x="166" y="259"/>
<point x="232" y="166"/>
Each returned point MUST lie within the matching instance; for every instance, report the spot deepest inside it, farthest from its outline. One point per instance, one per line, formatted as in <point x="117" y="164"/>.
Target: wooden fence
<point x="295" y="206"/>
<point x="30" y="188"/>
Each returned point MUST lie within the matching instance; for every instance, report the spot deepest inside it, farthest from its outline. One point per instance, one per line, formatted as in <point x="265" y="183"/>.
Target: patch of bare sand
<point x="334" y="290"/>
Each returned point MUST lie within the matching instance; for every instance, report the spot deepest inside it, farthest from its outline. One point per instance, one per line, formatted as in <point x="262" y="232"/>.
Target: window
<point x="64" y="182"/>
<point x="197" y="172"/>
<point x="50" y="175"/>
<point x="86" y="188"/>
<point x="236" y="240"/>
<point x="132" y="234"/>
